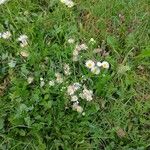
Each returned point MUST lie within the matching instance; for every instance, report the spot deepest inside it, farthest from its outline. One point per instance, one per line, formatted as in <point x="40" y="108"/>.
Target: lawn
<point x="75" y="75"/>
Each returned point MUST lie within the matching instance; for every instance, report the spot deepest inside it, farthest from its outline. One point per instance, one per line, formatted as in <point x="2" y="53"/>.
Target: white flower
<point x="95" y="70"/>
<point x="41" y="79"/>
<point x="74" y="98"/>
<point x="87" y="94"/>
<point x="24" y="53"/>
<point x="6" y="35"/>
<point x="67" y="69"/>
<point x="42" y="83"/>
<point x="24" y="44"/>
<point x="30" y="80"/>
<point x="77" y="108"/>
<point x="71" y="90"/>
<point x="92" y="41"/>
<point x="23" y="39"/>
<point x="59" y="78"/>
<point x="51" y="83"/>
<point x="71" y="41"/>
<point x="83" y="47"/>
<point x="99" y="64"/>
<point x="105" y="64"/>
<point x="2" y="1"/>
<point x="89" y="64"/>
<point x="68" y="3"/>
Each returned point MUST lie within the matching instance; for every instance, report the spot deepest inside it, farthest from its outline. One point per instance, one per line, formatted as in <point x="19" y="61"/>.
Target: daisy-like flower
<point x="68" y="3"/>
<point x="87" y="94"/>
<point x="77" y="107"/>
<point x="99" y="64"/>
<point x="95" y="70"/>
<point x="105" y="64"/>
<point x="42" y="83"/>
<point x="2" y="1"/>
<point x="59" y="78"/>
<point x="90" y="64"/>
<point x="51" y="83"/>
<point x="74" y="98"/>
<point x="24" y="44"/>
<point x="83" y="47"/>
<point x="71" y="41"/>
<point x="67" y="69"/>
<point x="71" y="90"/>
<point x="24" y="53"/>
<point x="23" y="39"/>
<point x="30" y="80"/>
<point x="6" y="35"/>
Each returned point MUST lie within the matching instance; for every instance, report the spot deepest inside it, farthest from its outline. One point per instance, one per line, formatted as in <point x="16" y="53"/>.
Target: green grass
<point x="35" y="118"/>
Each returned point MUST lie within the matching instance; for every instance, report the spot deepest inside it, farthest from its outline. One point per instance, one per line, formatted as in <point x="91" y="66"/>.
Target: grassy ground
<point x="34" y="117"/>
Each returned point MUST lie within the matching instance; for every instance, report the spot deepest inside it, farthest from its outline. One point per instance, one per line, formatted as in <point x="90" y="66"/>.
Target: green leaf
<point x="145" y="53"/>
<point x="1" y="123"/>
<point x="113" y="43"/>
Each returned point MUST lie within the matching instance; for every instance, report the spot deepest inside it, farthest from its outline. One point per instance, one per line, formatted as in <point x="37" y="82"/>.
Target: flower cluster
<point x="59" y="78"/>
<point x="5" y="35"/>
<point x="86" y="94"/>
<point x="83" y="93"/>
<point x="23" y="39"/>
<point x="68" y="3"/>
<point x="77" y="50"/>
<point x="95" y="67"/>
